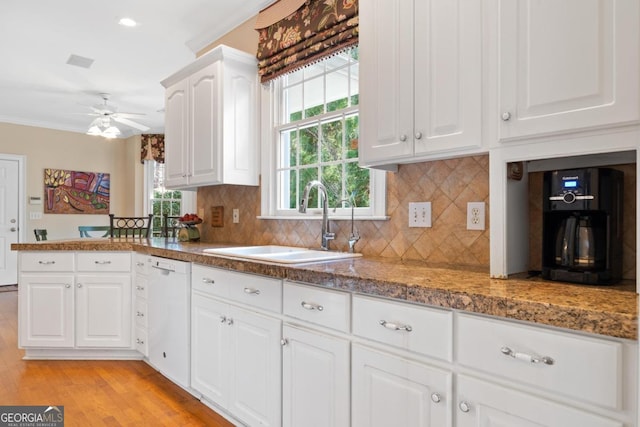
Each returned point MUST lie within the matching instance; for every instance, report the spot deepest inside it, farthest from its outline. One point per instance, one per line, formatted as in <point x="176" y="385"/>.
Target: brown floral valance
<point x="152" y="148"/>
<point x="317" y="29"/>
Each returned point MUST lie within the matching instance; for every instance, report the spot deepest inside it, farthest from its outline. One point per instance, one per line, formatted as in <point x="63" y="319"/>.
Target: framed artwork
<point x="73" y="192"/>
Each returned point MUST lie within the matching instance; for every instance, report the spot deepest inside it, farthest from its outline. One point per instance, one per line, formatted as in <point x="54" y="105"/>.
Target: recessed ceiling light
<point x="127" y="22"/>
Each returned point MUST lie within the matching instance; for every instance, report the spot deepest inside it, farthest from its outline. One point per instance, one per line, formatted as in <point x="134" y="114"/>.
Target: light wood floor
<point x="93" y="393"/>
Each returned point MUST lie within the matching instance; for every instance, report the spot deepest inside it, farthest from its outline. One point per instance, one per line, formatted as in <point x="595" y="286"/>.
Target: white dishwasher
<point x="169" y="296"/>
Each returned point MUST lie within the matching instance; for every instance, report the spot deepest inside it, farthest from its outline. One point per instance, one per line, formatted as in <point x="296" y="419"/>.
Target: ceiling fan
<point x="105" y="113"/>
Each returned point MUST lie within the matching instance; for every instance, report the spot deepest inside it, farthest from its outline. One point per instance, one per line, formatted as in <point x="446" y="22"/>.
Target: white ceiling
<point x="39" y="88"/>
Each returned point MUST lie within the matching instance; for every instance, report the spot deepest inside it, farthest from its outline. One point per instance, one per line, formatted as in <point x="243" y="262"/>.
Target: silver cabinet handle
<point x="46" y="262"/>
<point x="79" y="285"/>
<point x="139" y="341"/>
<point x="418" y="135"/>
<point x="140" y="288"/>
<point x="252" y="291"/>
<point x="436" y="398"/>
<point x="311" y="306"/>
<point x="102" y="262"/>
<point x="13" y="229"/>
<point x="223" y="319"/>
<point x="527" y="357"/>
<point x="464" y="406"/>
<point x="229" y="321"/>
<point x="403" y="138"/>
<point x="506" y="116"/>
<point x="208" y="281"/>
<point x="140" y="264"/>
<point x="284" y="342"/>
<point x="395" y="326"/>
<point x="139" y="314"/>
<point x="67" y="286"/>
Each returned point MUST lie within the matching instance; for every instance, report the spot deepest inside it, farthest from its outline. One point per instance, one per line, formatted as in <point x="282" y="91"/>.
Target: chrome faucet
<point x="354" y="236"/>
<point x="327" y="236"/>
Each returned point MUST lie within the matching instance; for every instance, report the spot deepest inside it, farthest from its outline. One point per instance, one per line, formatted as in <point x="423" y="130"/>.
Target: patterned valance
<point x="152" y="148"/>
<point x="317" y="29"/>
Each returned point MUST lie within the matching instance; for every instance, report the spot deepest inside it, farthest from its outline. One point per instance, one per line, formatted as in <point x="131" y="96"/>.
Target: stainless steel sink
<point x="280" y="254"/>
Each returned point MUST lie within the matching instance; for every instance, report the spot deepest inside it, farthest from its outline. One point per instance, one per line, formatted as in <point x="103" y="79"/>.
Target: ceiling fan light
<point x="111" y="132"/>
<point x="94" y="130"/>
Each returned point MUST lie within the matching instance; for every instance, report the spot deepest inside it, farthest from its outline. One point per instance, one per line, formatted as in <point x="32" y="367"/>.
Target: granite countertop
<point x="605" y="310"/>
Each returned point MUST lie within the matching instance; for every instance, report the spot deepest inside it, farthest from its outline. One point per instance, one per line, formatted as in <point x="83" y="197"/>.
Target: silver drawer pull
<point x="208" y="281"/>
<point x="140" y="288"/>
<point x="140" y="314"/>
<point x="395" y="326"/>
<point x="140" y="264"/>
<point x="527" y="357"/>
<point x="311" y="306"/>
<point x="139" y="341"/>
<point x="102" y="262"/>
<point x="46" y="262"/>
<point x="252" y="291"/>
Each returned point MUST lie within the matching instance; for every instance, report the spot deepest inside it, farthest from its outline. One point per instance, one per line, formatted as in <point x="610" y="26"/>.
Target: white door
<point x="315" y="379"/>
<point x="8" y="221"/>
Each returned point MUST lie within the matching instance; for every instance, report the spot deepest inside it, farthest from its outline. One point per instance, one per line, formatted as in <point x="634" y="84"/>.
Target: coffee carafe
<point x="582" y="226"/>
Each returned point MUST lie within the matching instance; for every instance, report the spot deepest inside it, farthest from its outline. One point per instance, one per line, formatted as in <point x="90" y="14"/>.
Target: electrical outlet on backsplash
<point x="448" y="184"/>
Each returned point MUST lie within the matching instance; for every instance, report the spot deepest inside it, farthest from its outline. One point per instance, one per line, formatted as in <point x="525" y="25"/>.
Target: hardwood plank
<point x="94" y="393"/>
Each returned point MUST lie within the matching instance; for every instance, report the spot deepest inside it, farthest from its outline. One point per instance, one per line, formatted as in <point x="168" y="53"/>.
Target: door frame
<point x="22" y="200"/>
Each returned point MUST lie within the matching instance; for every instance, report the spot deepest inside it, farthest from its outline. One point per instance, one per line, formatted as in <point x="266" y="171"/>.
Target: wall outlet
<point x="475" y="216"/>
<point x="420" y="214"/>
<point x="236" y="216"/>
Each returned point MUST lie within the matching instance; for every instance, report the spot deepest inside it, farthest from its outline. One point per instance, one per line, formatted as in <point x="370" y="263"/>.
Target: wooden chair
<point x="170" y="226"/>
<point x="41" y="234"/>
<point x="130" y="226"/>
<point x="86" y="229"/>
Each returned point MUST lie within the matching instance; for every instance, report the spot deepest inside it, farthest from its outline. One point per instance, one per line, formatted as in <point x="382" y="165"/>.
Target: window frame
<point x="271" y="126"/>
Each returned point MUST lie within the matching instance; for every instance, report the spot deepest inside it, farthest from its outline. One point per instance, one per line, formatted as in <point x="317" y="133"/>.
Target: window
<point x="162" y="201"/>
<point x="315" y="137"/>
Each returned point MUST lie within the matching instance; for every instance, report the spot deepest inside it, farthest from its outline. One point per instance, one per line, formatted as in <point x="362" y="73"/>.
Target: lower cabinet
<point x="390" y="390"/>
<point x="315" y="379"/>
<point x="485" y="404"/>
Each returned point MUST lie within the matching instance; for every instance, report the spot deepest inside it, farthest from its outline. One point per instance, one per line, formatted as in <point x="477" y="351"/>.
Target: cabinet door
<point x="489" y="405"/>
<point x="389" y="390"/>
<point x="386" y="80"/>
<point x="448" y="76"/>
<point x="46" y="310"/>
<point x="205" y="126"/>
<point x="103" y="310"/>
<point x="176" y="134"/>
<point x="315" y="379"/>
<point x="255" y="367"/>
<point x="209" y="348"/>
<point x="567" y="65"/>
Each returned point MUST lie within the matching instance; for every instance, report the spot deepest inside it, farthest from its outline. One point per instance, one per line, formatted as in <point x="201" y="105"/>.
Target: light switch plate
<point x="236" y="216"/>
<point x="420" y="214"/>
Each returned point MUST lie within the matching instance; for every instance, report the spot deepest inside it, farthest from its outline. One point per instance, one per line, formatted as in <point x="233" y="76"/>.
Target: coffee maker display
<point x="582" y="225"/>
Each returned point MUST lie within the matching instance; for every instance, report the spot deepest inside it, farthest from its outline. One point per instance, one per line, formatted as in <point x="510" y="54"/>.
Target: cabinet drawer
<point x="46" y="261"/>
<point x="257" y="291"/>
<point x="142" y="287"/>
<point x="579" y="367"/>
<point x="420" y="329"/>
<point x="320" y="306"/>
<point x="142" y="263"/>
<point x="140" y="314"/>
<point x="212" y="281"/>
<point x="104" y="261"/>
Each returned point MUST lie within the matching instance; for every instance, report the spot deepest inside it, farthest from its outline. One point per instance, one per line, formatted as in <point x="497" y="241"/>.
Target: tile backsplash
<point x="447" y="184"/>
<point x="628" y="221"/>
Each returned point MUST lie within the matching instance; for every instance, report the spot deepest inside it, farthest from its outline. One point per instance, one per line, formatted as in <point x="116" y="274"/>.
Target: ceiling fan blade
<point x="126" y="115"/>
<point x="131" y="123"/>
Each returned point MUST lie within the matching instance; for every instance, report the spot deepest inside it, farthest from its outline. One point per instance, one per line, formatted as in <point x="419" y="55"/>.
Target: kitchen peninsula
<point x="269" y="339"/>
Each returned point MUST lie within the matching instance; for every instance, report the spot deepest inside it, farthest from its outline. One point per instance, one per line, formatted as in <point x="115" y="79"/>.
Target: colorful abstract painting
<point x="72" y="192"/>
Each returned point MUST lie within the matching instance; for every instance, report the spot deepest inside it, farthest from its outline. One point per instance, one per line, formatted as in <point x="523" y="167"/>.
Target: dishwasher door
<point x="169" y="299"/>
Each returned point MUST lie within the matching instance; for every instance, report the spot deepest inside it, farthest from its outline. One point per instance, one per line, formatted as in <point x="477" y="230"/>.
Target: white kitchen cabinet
<point x="566" y="66"/>
<point x="211" y="121"/>
<point x="420" y="80"/>
<point x="392" y="390"/>
<point x="75" y="301"/>
<point x="315" y="378"/>
<point x="481" y="403"/>
<point x="235" y="350"/>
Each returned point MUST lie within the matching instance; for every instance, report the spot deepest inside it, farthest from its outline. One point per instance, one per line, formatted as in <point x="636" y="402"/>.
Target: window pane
<point x="309" y="145"/>
<point x="306" y="175"/>
<point x="313" y="70"/>
<point x="331" y="141"/>
<point x="288" y="148"/>
<point x="293" y="187"/>
<point x="292" y="103"/>
<point x="293" y="77"/>
<point x="337" y="90"/>
<point x="352" y="130"/>
<point x="287" y="185"/>
<point x="354" y="88"/>
<point x="313" y="97"/>
<point x="332" y="179"/>
<point x="357" y="184"/>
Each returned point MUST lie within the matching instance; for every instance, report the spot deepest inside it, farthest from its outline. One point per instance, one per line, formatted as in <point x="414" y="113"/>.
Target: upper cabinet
<point x="211" y="121"/>
<point x="421" y="77"/>
<point x="566" y="65"/>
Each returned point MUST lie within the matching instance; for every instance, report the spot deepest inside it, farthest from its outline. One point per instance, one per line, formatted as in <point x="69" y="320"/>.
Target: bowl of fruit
<point x="190" y="219"/>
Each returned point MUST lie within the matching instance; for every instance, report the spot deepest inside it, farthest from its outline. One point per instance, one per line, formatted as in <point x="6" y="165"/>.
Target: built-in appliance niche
<point x="623" y="161"/>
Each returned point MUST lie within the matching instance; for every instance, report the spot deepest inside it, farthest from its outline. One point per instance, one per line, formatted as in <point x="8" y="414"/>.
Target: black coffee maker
<point x="582" y="225"/>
